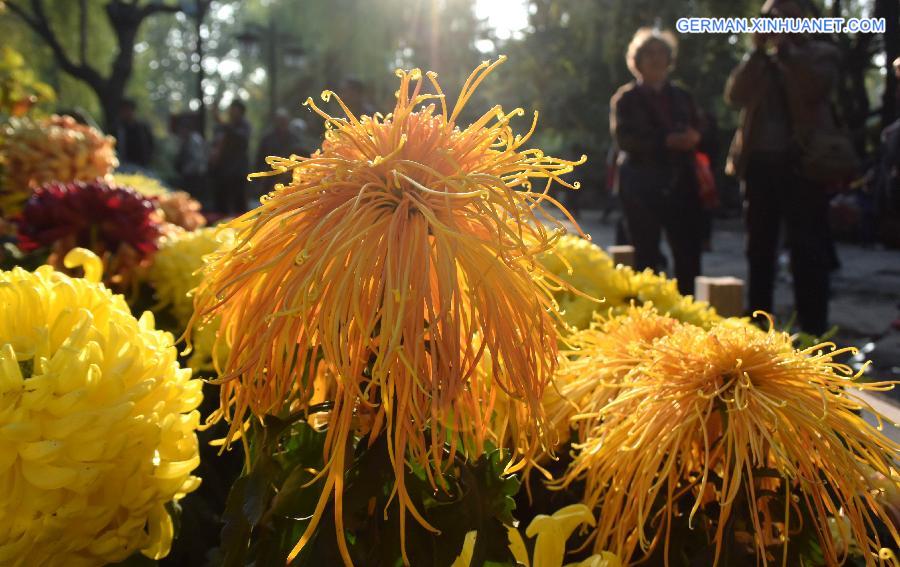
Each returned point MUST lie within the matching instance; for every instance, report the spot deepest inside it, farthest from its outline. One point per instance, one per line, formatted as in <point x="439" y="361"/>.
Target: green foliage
<point x="19" y="86"/>
<point x="64" y="20"/>
<point x="566" y="64"/>
<point x="270" y="506"/>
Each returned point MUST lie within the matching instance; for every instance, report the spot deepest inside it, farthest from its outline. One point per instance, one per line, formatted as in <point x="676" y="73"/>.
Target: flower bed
<point x="418" y="366"/>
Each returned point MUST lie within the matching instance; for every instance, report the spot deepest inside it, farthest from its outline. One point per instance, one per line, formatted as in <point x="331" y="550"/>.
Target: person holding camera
<point x="783" y="90"/>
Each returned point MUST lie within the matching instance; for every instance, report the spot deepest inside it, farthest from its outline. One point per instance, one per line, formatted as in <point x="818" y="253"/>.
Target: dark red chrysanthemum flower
<point x="97" y="215"/>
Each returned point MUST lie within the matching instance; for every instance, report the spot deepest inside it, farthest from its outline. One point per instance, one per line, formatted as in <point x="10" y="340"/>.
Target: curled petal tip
<point x="88" y="261"/>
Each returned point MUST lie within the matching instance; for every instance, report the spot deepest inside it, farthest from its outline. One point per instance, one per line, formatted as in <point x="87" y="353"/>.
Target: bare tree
<point x="125" y="18"/>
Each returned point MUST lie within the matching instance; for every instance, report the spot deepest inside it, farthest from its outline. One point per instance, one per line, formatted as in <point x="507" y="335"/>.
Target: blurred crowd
<point x="212" y="169"/>
<point x="791" y="153"/>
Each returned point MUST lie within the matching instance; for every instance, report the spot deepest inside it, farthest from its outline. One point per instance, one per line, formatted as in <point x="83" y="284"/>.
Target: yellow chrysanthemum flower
<point x="588" y="269"/>
<point x="592" y="275"/>
<point x="735" y="417"/>
<point x="176" y="271"/>
<point x="178" y="266"/>
<point x="97" y="422"/>
<point x="145" y="185"/>
<point x="648" y="287"/>
<point x="596" y="361"/>
<point x="402" y="252"/>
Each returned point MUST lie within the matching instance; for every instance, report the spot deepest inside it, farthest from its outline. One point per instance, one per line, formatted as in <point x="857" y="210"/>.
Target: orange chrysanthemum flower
<point x="735" y="417"/>
<point x="592" y="363"/>
<point x="401" y="254"/>
<point x="595" y="363"/>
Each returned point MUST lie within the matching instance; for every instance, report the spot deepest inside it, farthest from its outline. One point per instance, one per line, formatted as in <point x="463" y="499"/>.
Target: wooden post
<point x="621" y="254"/>
<point x="726" y="294"/>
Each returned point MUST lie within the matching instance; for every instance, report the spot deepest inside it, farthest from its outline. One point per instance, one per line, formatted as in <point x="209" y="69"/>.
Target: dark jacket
<point x="231" y="156"/>
<point x="135" y="143"/>
<point x="646" y="166"/>
<point x="807" y="71"/>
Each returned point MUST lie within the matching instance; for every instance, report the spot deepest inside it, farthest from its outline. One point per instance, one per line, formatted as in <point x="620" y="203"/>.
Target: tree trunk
<point x="125" y="19"/>
<point x="890" y="11"/>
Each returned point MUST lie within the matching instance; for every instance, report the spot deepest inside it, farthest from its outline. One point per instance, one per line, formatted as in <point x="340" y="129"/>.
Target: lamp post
<point x="292" y="55"/>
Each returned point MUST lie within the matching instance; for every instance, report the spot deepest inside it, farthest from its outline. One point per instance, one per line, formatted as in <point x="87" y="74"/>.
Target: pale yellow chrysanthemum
<point x="177" y="266"/>
<point x="176" y="271"/>
<point x="145" y="185"/>
<point x="97" y="422"/>
<point x="736" y="422"/>
<point x="656" y="289"/>
<point x="594" y="276"/>
<point x="587" y="268"/>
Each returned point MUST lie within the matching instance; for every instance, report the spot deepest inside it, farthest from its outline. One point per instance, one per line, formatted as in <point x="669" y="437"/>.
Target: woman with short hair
<point x="656" y="126"/>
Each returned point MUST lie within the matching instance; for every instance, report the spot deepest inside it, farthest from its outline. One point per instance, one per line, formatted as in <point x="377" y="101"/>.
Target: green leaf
<point x="236" y="531"/>
<point x="480" y="499"/>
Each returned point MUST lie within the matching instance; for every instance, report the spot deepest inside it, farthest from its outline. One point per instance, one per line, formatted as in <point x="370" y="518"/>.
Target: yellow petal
<point x="11" y="379"/>
<point x="553" y="531"/>
<point x="47" y="477"/>
<point x="517" y="546"/>
<point x="465" y="556"/>
<point x="39" y="450"/>
<point x="161" y="533"/>
<point x="87" y="260"/>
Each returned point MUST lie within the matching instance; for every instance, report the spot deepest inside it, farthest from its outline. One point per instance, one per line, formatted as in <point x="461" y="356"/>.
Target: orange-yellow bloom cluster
<point x="735" y="417"/>
<point x="53" y="149"/>
<point x="595" y="363"/>
<point x="401" y="254"/>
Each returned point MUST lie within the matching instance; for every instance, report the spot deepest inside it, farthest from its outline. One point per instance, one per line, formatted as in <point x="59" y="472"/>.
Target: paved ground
<point x="865" y="296"/>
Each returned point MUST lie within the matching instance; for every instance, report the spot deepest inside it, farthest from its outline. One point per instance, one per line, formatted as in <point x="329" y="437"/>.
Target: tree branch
<point x="21" y="13"/>
<point x="155" y="7"/>
<point x="39" y="23"/>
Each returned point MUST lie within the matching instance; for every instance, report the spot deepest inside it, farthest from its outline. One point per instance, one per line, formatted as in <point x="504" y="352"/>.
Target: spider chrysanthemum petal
<point x="736" y="418"/>
<point x="401" y="255"/>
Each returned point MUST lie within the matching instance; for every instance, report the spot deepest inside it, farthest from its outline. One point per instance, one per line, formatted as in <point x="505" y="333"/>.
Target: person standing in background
<point x="134" y="140"/>
<point x="782" y="88"/>
<point x="281" y="141"/>
<point x="191" y="157"/>
<point x="709" y="145"/>
<point x="229" y="162"/>
<point x="655" y="125"/>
